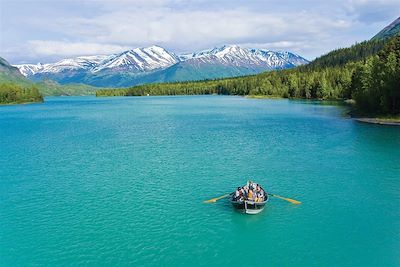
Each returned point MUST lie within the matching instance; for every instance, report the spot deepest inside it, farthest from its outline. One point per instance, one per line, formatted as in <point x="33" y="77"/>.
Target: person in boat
<point x="254" y="185"/>
<point x="238" y="193"/>
<point x="246" y="191"/>
<point x="258" y="189"/>
<point x="241" y="191"/>
<point x="250" y="185"/>
<point x="260" y="196"/>
<point x="250" y="195"/>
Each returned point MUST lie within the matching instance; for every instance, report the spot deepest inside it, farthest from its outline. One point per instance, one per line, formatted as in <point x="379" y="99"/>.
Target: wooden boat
<point x="249" y="206"/>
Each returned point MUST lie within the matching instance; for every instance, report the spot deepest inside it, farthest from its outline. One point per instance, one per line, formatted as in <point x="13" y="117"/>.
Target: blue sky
<point x="49" y="30"/>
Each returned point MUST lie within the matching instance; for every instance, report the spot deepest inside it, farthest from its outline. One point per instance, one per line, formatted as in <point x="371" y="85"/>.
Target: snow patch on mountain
<point x="29" y="69"/>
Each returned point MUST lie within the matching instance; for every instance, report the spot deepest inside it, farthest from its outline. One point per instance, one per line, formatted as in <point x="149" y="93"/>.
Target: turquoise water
<point x="120" y="181"/>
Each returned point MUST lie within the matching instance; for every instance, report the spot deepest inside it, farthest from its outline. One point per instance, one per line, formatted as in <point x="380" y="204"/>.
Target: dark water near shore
<point x="120" y="181"/>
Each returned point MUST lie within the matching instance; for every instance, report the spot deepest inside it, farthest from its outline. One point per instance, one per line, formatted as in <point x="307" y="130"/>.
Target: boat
<point x="249" y="206"/>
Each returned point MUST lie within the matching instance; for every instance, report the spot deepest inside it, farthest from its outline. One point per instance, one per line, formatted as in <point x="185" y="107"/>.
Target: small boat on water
<point x="250" y="199"/>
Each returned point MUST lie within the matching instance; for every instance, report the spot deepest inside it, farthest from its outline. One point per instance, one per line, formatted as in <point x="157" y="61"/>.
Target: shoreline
<point x="263" y="97"/>
<point x="380" y="121"/>
<point x="21" y="103"/>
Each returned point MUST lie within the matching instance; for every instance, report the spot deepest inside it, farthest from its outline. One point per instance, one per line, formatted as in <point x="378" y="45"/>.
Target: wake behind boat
<point x="250" y="199"/>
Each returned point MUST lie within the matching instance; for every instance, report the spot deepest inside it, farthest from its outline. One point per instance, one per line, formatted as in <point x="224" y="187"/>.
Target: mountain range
<point x="156" y="64"/>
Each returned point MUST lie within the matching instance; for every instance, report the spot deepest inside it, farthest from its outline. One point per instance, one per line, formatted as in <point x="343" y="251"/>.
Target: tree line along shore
<point x="11" y="93"/>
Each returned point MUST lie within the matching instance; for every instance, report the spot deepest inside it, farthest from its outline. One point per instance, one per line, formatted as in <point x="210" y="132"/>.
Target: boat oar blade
<point x="293" y="201"/>
<point x="213" y="200"/>
<point x="287" y="199"/>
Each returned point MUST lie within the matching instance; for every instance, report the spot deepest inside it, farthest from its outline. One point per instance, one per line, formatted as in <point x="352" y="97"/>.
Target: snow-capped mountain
<point x="235" y="55"/>
<point x="280" y="59"/>
<point x="29" y="69"/>
<point x="139" y="59"/>
<point x="78" y="63"/>
<point x="155" y="64"/>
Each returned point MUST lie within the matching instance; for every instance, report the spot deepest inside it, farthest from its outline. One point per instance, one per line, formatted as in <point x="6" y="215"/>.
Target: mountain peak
<point x="230" y="47"/>
<point x="156" y="47"/>
<point x="139" y="60"/>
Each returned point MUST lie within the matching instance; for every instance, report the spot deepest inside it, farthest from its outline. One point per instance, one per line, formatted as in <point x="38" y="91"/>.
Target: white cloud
<point x="372" y="11"/>
<point x="279" y="45"/>
<point x="189" y="30"/>
<point x="50" y="48"/>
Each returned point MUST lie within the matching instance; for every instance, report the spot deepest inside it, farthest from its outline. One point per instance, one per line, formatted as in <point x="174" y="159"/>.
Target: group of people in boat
<point x="251" y="192"/>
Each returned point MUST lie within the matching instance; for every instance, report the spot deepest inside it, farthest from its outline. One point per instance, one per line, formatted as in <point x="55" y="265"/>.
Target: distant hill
<point x="14" y="87"/>
<point x="11" y="75"/>
<point x="389" y="31"/>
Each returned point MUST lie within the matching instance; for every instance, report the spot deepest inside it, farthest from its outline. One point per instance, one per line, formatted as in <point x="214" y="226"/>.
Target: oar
<point x="285" y="198"/>
<point x="217" y="198"/>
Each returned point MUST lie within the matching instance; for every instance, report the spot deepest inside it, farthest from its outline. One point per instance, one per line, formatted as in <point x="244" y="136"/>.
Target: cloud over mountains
<point x="50" y="30"/>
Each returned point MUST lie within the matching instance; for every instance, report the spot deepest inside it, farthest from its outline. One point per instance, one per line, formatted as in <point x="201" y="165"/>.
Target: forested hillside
<point x="376" y="84"/>
<point x="340" y="57"/>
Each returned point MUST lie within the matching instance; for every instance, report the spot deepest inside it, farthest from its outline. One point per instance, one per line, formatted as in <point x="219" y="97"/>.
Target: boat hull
<point x="249" y="207"/>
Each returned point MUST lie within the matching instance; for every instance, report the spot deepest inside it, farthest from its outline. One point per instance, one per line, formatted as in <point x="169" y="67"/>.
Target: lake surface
<point x="120" y="181"/>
